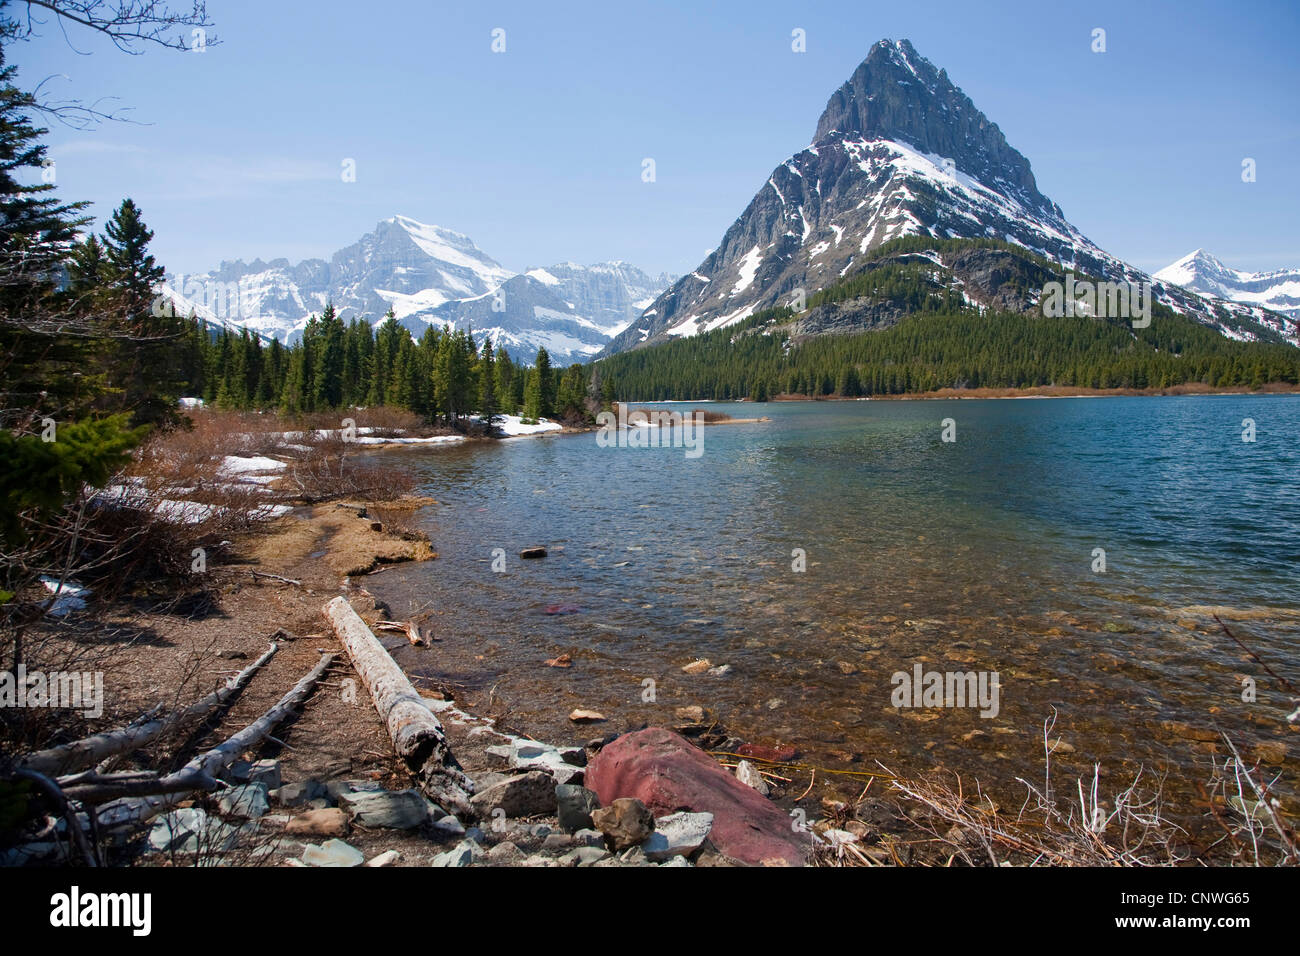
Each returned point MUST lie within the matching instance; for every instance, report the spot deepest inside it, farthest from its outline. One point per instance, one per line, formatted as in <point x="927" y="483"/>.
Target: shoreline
<point x="1037" y="391"/>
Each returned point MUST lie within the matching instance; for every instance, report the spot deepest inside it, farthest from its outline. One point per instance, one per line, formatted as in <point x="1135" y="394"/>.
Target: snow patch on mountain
<point x="1207" y="276"/>
<point x="427" y="275"/>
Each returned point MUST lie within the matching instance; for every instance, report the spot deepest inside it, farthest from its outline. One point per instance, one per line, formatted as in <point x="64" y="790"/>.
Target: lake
<point x="976" y="555"/>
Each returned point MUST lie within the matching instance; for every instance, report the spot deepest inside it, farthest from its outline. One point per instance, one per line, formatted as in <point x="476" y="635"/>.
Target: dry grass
<point x="1078" y="825"/>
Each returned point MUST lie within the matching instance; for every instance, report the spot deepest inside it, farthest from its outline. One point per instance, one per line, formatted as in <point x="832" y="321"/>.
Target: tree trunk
<point x="201" y="772"/>
<point x="80" y="754"/>
<point x="416" y="733"/>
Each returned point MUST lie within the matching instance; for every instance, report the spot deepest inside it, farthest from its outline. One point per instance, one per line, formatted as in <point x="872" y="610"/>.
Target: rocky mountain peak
<point x="896" y="94"/>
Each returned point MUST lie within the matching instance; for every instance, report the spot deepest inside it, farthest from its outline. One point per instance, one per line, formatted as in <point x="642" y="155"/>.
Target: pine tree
<point x="328" y="361"/>
<point x="545" y="385"/>
<point x="487" y="396"/>
<point x="131" y="268"/>
<point x="36" y="230"/>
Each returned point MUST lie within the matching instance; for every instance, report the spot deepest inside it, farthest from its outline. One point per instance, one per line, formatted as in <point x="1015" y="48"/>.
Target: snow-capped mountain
<point x="898" y="151"/>
<point x="427" y="275"/>
<point x="572" y="311"/>
<point x="1202" y="273"/>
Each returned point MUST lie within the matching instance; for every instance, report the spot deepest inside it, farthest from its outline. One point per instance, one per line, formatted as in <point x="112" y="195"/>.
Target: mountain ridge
<point x="900" y="151"/>
<point x="1204" y="274"/>
<point x="426" y="274"/>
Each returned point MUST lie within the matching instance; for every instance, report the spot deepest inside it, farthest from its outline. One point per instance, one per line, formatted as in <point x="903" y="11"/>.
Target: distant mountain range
<point x="1200" y="272"/>
<point x="900" y="151"/>
<point x="428" y="275"/>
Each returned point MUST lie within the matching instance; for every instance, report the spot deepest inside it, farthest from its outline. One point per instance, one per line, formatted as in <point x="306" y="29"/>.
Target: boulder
<point x="336" y="788"/>
<point x="557" y="841"/>
<point x="536" y="552"/>
<point x="505" y="854"/>
<point x="297" y="794"/>
<point x="463" y="854"/>
<point x="533" y="755"/>
<point x="190" y="830"/>
<point x="330" y="822"/>
<point x="389" y="809"/>
<point x="529" y="794"/>
<point x="665" y="772"/>
<point x="247" y="802"/>
<point x="332" y="853"/>
<point x="574" y="806"/>
<point x="626" y="821"/>
<point x="265" y="772"/>
<point x="447" y="826"/>
<point x="678" y="834"/>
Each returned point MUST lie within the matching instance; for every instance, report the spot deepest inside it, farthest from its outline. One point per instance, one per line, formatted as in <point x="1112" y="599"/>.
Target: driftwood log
<point x="412" y="631"/>
<point x="80" y="754"/>
<point x="199" y="774"/>
<point x="416" y="733"/>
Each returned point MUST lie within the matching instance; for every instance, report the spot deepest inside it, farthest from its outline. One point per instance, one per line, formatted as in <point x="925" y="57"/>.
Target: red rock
<point x="776" y="754"/>
<point x="668" y="774"/>
<point x="562" y="609"/>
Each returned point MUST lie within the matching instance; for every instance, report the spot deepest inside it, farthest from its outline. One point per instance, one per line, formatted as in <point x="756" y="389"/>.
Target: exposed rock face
<point x="669" y="775"/>
<point x="897" y="94"/>
<point x="898" y="151"/>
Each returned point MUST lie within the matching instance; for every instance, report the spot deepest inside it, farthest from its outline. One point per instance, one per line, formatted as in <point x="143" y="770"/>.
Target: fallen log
<point x="416" y="733"/>
<point x="80" y="754"/>
<point x="200" y="773"/>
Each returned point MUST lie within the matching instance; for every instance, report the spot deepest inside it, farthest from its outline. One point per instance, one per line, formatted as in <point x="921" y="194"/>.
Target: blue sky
<point x="536" y="152"/>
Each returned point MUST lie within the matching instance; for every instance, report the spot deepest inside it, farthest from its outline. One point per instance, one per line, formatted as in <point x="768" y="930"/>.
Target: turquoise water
<point x="971" y="555"/>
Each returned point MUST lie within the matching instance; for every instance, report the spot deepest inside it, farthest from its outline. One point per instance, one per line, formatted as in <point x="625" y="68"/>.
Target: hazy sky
<point x="536" y="152"/>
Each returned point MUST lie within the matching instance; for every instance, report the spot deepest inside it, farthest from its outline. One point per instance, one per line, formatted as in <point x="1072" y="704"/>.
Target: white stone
<point x="332" y="853"/>
<point x="678" y="834"/>
<point x="748" y="774"/>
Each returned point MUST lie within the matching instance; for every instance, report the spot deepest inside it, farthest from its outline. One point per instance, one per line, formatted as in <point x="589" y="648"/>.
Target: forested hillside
<point x="924" y="335"/>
